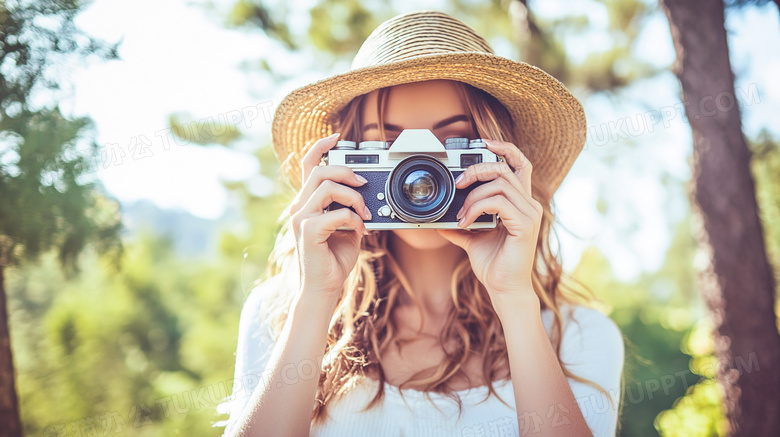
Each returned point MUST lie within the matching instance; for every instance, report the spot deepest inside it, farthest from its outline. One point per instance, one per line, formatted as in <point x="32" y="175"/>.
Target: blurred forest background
<point x="124" y="317"/>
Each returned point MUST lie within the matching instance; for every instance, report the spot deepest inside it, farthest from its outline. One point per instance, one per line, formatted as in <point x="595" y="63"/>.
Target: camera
<point x="411" y="181"/>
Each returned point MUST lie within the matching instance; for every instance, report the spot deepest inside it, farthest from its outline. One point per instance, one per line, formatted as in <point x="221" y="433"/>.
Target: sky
<point x="179" y="58"/>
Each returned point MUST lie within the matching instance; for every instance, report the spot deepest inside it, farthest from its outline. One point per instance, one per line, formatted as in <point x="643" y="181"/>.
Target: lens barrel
<point x="420" y="189"/>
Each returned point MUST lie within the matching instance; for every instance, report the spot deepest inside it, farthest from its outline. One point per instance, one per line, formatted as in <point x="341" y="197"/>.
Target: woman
<point x="426" y="331"/>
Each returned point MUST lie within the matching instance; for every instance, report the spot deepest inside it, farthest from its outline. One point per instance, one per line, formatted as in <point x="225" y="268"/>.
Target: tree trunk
<point x="9" y="407"/>
<point x="737" y="283"/>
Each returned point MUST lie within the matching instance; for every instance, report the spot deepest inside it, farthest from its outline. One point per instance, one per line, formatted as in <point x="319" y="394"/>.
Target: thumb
<point x="457" y="237"/>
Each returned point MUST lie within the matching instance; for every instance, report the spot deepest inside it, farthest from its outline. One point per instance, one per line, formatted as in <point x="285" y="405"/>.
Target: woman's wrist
<point x="521" y="303"/>
<point x="314" y="302"/>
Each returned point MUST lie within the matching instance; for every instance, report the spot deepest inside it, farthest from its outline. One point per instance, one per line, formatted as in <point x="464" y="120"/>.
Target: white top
<point x="593" y="349"/>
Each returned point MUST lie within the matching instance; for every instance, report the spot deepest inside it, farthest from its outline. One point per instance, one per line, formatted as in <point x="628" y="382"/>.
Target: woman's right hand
<point x="326" y="256"/>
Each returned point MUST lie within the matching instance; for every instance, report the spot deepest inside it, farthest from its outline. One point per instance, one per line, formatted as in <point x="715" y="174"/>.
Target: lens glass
<point x="420" y="188"/>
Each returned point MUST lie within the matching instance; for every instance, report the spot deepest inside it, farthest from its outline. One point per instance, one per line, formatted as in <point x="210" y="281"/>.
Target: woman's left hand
<point x="502" y="258"/>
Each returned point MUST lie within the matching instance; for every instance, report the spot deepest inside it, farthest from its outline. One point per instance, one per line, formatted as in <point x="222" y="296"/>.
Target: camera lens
<point x="420" y="189"/>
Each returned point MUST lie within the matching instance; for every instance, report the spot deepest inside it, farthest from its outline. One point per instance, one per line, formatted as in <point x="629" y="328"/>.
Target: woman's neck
<point x="429" y="272"/>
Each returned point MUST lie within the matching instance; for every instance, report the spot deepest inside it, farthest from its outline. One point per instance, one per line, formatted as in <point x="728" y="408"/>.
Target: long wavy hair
<point x="362" y="326"/>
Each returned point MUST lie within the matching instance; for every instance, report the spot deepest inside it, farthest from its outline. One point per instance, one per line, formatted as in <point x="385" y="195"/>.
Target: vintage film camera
<point x="411" y="183"/>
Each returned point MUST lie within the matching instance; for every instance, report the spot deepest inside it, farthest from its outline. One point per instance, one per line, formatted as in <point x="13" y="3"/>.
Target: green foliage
<point x="765" y="166"/>
<point x="202" y="132"/>
<point x="654" y="313"/>
<point x="607" y="68"/>
<point x="161" y="329"/>
<point x="44" y="156"/>
<point x="269" y="18"/>
<point x="262" y="212"/>
<point x="337" y="28"/>
<point x="107" y="342"/>
<point x="700" y="412"/>
<point x="333" y="30"/>
<point x="340" y="26"/>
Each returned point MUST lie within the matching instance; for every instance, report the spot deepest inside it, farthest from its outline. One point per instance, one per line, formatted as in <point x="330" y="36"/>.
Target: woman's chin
<point x="422" y="239"/>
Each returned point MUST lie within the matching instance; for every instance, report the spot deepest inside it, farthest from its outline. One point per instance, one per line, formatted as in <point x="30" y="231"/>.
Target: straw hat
<point x="549" y="121"/>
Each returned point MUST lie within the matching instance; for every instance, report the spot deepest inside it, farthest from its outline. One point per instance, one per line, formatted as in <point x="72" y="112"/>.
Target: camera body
<point x="411" y="182"/>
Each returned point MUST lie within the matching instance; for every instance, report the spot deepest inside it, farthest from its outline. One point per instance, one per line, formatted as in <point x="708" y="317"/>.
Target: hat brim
<point x="550" y="125"/>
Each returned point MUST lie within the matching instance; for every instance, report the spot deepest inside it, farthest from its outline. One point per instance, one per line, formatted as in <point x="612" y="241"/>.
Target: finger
<point x="319" y="228"/>
<point x="336" y="173"/>
<point x="487" y="171"/>
<point x="501" y="187"/>
<point x="512" y="154"/>
<point x="329" y="192"/>
<point x="513" y="220"/>
<point x="456" y="237"/>
<point x="313" y="157"/>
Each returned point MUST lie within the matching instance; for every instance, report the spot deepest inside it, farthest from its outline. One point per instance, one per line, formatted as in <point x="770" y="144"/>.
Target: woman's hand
<point x="502" y="258"/>
<point x="325" y="255"/>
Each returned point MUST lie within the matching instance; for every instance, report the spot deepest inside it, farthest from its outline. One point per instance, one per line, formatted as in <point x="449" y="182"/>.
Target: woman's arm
<point x="283" y="404"/>
<point x="503" y="261"/>
<point x="545" y="403"/>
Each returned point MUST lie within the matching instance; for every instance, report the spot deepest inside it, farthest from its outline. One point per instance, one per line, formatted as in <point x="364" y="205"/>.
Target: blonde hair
<point x="362" y="327"/>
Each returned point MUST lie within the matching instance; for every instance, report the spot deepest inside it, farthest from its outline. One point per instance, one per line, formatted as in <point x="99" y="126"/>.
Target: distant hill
<point x="190" y="235"/>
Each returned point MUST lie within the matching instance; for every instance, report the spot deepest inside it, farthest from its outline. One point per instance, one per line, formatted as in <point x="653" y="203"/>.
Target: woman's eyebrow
<point x="388" y="126"/>
<point x="440" y="124"/>
<point x="450" y="120"/>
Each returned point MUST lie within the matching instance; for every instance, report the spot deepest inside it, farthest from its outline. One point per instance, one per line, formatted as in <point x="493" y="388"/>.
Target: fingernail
<point x="460" y="223"/>
<point x="460" y="213"/>
<point x="368" y="213"/>
<point x="361" y="178"/>
<point x="365" y="231"/>
<point x="334" y="135"/>
<point x="459" y="178"/>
